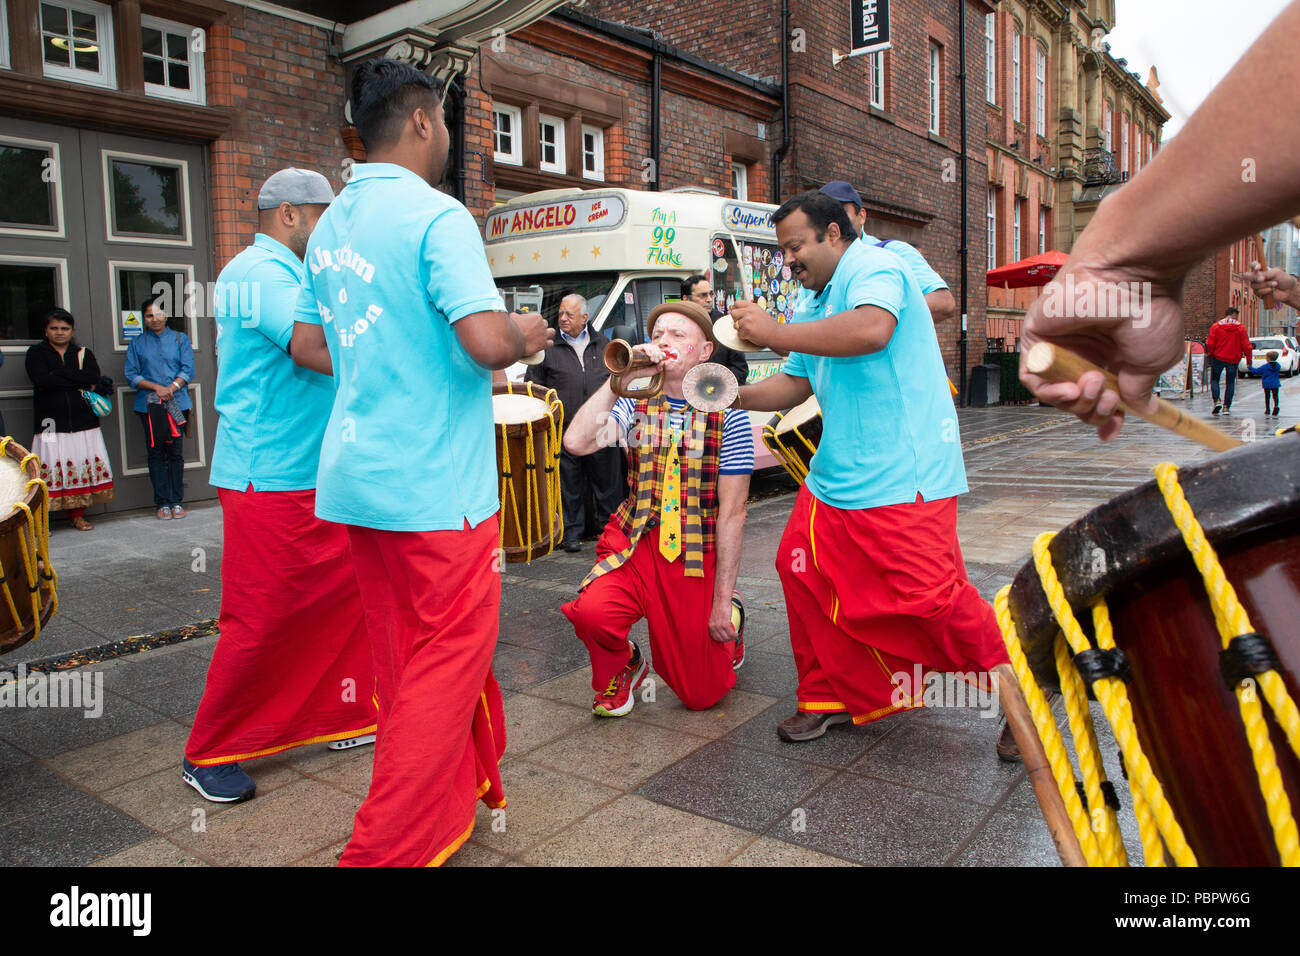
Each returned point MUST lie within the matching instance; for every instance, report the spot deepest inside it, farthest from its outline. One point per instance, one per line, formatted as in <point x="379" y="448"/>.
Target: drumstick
<point x="1259" y="251"/>
<point x="1036" y="765"/>
<point x="1055" y="364"/>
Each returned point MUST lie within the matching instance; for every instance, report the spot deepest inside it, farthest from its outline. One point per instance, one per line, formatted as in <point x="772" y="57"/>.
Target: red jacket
<point x="1228" y="341"/>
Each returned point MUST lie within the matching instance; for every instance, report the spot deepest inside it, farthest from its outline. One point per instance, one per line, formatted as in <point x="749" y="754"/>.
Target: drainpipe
<point x="656" y="92"/>
<point x="965" y="197"/>
<point x="779" y="155"/>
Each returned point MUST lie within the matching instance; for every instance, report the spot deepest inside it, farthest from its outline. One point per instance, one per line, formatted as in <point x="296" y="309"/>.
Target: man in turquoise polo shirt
<point x="874" y="582"/>
<point x="399" y="304"/>
<point x="293" y="663"/>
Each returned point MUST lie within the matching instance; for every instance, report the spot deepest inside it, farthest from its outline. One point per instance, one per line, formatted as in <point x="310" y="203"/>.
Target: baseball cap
<point x="841" y="191"/>
<point x="297" y="187"/>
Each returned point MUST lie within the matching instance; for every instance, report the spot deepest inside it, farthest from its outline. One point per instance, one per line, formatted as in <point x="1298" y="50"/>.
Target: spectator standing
<point x="1270" y="378"/>
<point x="575" y="368"/>
<point x="160" y="362"/>
<point x="699" y="289"/>
<point x="1226" y="345"/>
<point x="74" y="461"/>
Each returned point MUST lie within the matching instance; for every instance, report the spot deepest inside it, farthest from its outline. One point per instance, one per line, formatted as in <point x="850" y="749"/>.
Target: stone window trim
<point x="4" y="36"/>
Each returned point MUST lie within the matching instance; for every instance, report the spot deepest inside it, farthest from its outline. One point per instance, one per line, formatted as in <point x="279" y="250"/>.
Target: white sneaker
<point x="351" y="742"/>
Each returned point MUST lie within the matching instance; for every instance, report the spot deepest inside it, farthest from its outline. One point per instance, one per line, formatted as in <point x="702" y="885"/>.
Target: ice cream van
<point x="626" y="251"/>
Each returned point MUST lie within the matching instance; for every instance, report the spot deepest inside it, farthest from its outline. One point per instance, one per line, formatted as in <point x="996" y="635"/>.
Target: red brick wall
<point x="289" y="99"/>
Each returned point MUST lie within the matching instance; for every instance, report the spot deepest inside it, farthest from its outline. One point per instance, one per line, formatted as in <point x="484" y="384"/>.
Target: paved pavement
<point x="663" y="786"/>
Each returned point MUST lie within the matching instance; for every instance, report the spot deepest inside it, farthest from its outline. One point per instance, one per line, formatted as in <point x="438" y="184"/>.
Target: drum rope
<point x="1232" y="621"/>
<point x="1053" y="746"/>
<point x="1112" y="694"/>
<point x="34" y="549"/>
<point x="550" y="468"/>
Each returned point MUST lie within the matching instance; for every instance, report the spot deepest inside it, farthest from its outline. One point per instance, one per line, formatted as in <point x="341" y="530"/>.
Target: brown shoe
<point x="1007" y="748"/>
<point x="808" y="726"/>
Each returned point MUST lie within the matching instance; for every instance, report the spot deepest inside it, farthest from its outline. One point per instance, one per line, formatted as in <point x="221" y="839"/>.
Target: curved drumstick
<point x="1054" y="364"/>
<point x="1259" y="252"/>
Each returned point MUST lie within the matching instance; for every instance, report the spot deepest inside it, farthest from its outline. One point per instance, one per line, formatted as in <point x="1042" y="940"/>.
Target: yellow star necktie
<point x="670" y="521"/>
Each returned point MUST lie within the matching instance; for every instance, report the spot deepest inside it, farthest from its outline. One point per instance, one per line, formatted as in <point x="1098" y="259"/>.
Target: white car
<point x="1288" y="354"/>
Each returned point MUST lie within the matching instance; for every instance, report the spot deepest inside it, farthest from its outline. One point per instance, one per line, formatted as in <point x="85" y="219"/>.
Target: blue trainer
<point x="222" y="783"/>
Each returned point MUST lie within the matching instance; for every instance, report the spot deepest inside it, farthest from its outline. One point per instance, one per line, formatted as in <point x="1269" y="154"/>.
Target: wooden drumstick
<point x="1037" y="767"/>
<point x="1259" y="251"/>
<point x="1055" y="364"/>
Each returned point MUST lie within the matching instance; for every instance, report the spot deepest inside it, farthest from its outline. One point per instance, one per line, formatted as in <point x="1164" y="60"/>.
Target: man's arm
<point x="309" y="349"/>
<point x="860" y="331"/>
<point x="1192" y="199"/>
<point x="775" y="393"/>
<point x="497" y="340"/>
<point x="733" y="491"/>
<point x="1281" y="285"/>
<point x="943" y="307"/>
<point x="593" y="428"/>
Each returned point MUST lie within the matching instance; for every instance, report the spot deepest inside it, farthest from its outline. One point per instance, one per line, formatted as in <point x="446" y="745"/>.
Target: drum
<point x="792" y="437"/>
<point x="529" y="421"/>
<point x="28" y="584"/>
<point x="1136" y="575"/>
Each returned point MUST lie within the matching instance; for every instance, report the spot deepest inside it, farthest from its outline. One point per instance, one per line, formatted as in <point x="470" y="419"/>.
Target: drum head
<point x="13" y="484"/>
<point x="517" y="409"/>
<point x="799" y="415"/>
<point x="724" y="330"/>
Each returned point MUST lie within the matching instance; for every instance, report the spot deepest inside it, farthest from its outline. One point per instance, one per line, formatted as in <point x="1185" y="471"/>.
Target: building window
<point x="934" y="87"/>
<point x="739" y="181"/>
<point x="1105" y="127"/>
<point x="173" y="61"/>
<point x="991" y="226"/>
<point x="876" y="79"/>
<point x="593" y="152"/>
<point x="4" y="36"/>
<point x="31" y="201"/>
<point x="1015" y="74"/>
<point x="146" y="199"/>
<point x="550" y="133"/>
<point x="77" y="42"/>
<point x="30" y="286"/>
<point x="1015" y="231"/>
<point x="1040" y="91"/>
<point x="1123" y="144"/>
<point x="990" y="58"/>
<point x="1042" y="229"/>
<point x="506" y="144"/>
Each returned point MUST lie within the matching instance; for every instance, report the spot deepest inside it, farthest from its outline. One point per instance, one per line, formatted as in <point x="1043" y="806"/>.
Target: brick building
<point x="1067" y="124"/>
<point x="134" y="135"/>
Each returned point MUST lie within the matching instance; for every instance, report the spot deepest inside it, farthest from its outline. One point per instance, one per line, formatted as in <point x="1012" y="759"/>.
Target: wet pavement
<point x="663" y="786"/>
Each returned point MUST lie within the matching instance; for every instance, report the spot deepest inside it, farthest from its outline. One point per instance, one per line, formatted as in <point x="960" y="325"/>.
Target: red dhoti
<point x="676" y="608"/>
<point x="293" y="663"/>
<point x="432" y="601"/>
<point x="874" y="592"/>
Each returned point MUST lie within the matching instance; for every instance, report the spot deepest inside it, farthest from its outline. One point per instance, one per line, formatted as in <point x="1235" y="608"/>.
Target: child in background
<point x="1270" y="376"/>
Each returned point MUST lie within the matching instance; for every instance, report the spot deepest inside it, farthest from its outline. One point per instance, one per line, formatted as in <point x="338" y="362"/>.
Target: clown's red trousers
<point x="292" y="665"/>
<point x="676" y="609"/>
<point x="431" y="600"/>
<point x="871" y="593"/>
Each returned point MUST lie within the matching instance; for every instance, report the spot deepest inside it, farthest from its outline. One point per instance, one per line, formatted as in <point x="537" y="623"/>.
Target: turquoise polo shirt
<point x="392" y="266"/>
<point x="273" y="413"/>
<point x="926" y="277"/>
<point x="889" y="428"/>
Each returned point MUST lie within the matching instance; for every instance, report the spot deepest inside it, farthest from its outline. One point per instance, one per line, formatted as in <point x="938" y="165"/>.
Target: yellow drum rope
<point x="789" y="460"/>
<point x="34" y="549"/>
<point x="1053" y="745"/>
<point x="1232" y="620"/>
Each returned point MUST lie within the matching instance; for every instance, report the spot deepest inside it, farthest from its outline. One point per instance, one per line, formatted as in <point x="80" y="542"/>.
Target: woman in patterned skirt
<point x="74" y="461"/>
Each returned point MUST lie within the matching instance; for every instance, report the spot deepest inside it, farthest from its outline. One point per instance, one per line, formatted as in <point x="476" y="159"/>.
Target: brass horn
<point x="710" y="387"/>
<point x="626" y="366"/>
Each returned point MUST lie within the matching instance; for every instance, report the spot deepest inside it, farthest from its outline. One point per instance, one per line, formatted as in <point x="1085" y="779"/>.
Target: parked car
<point x="1288" y="353"/>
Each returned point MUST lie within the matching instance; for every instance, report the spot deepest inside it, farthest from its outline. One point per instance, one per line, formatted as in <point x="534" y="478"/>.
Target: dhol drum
<point x="1177" y="605"/>
<point x="529" y="422"/>
<point x="28" y="584"/>
<point x="792" y="437"/>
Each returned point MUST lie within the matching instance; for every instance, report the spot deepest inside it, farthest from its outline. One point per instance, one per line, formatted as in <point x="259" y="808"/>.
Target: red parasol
<point x="1034" y="271"/>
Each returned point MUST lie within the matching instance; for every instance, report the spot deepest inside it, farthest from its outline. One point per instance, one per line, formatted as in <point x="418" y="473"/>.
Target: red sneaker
<point x="738" y="622"/>
<point x="617" y="699"/>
